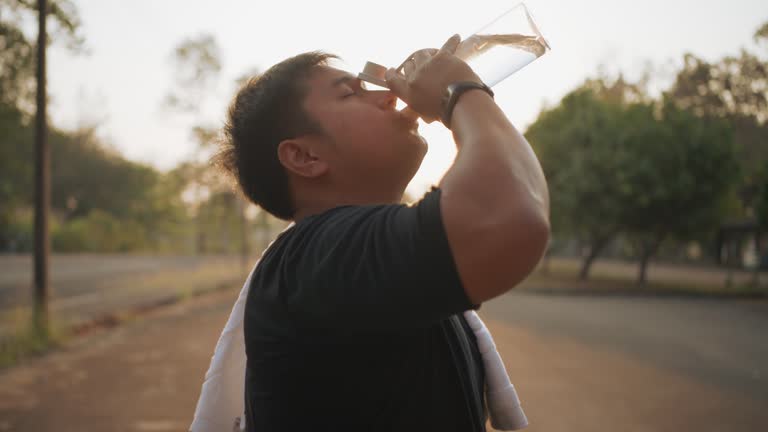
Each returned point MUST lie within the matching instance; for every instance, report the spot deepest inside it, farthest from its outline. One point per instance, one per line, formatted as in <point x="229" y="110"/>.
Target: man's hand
<point x="426" y="75"/>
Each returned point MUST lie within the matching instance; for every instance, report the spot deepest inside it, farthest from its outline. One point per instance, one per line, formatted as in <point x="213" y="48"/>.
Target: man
<point x="353" y="316"/>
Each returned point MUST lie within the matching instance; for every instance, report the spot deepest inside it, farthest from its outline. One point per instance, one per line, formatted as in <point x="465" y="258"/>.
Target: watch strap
<point x="452" y="94"/>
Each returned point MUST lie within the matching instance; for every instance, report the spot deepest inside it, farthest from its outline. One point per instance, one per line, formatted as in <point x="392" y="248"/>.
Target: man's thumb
<point x="451" y="44"/>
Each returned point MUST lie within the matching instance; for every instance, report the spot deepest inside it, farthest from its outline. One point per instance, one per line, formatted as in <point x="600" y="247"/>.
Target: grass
<point x="122" y="298"/>
<point x="25" y="341"/>
<point x="561" y="274"/>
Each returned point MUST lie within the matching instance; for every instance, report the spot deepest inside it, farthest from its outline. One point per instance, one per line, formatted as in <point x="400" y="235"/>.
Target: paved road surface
<point x="580" y="364"/>
<point x="87" y="286"/>
<point x="635" y="363"/>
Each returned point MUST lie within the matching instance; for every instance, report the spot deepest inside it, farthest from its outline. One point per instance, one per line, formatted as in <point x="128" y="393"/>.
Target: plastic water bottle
<point x="499" y="49"/>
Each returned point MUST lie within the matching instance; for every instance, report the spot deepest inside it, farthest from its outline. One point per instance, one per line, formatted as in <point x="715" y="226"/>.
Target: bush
<point x="99" y="231"/>
<point x="17" y="233"/>
<point x="762" y="200"/>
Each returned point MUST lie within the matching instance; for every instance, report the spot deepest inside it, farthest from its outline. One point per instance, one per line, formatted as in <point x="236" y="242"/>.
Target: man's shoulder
<point x="321" y="227"/>
<point x="343" y="214"/>
<point x="352" y="225"/>
<point x="353" y="215"/>
<point x="334" y="224"/>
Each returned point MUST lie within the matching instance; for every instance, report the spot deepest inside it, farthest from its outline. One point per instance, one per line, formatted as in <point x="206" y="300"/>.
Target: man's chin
<point x="425" y="147"/>
<point x="418" y="139"/>
<point x="419" y="160"/>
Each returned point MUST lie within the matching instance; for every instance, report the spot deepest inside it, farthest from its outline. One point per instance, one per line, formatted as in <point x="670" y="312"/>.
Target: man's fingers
<point x="396" y="82"/>
<point x="422" y="56"/>
<point x="425" y="53"/>
<point x="451" y="44"/>
<point x="409" y="67"/>
<point x="415" y="59"/>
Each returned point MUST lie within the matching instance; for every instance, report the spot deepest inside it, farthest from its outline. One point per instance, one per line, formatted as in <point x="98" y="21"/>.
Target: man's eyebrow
<point x="344" y="79"/>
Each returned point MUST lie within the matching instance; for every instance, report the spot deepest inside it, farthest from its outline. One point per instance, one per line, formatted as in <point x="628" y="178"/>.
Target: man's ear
<point x="299" y="157"/>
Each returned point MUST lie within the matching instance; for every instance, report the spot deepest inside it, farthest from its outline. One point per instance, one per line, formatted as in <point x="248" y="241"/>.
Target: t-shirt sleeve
<point x="373" y="267"/>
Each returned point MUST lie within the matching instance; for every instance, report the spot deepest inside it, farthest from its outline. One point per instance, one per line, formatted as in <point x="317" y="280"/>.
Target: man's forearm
<point x="495" y="169"/>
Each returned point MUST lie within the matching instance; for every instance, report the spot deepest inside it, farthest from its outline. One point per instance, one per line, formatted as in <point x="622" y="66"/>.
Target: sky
<point x="121" y="82"/>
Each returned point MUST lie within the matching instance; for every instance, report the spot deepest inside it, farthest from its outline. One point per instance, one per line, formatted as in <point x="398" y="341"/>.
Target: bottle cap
<point x="374" y="74"/>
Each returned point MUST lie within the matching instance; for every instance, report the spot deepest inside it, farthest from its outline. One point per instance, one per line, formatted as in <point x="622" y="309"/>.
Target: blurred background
<point x="648" y="313"/>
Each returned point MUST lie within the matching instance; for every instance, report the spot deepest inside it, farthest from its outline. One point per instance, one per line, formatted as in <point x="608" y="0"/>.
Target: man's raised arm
<point x="494" y="201"/>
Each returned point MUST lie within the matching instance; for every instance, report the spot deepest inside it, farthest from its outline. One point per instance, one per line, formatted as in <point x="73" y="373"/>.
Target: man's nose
<point x="385" y="99"/>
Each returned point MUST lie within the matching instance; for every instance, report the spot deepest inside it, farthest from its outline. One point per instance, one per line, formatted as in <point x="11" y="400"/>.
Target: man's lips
<point x="409" y="118"/>
<point x="409" y="113"/>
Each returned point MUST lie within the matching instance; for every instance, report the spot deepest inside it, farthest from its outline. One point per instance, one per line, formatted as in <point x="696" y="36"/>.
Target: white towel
<point x="222" y="397"/>
<point x="221" y="403"/>
<point x="503" y="404"/>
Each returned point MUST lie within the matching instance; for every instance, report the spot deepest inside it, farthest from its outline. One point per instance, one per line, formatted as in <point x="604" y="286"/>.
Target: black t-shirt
<point x="342" y="324"/>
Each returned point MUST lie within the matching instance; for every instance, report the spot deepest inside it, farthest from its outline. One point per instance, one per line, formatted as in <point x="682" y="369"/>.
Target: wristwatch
<point x="452" y="94"/>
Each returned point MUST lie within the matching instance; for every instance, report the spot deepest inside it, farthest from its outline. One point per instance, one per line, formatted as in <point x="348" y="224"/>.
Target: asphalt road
<point x="701" y="357"/>
<point x="87" y="286"/>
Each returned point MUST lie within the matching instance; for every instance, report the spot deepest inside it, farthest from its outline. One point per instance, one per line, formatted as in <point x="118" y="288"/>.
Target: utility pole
<point x="42" y="183"/>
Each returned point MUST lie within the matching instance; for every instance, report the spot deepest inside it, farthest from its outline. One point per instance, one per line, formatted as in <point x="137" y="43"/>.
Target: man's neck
<point x="306" y="210"/>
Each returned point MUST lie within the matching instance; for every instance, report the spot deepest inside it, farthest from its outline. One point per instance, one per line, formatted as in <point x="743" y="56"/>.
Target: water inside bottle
<point x="494" y="57"/>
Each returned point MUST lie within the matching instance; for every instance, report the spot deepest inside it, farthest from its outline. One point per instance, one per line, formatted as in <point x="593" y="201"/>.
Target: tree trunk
<point x="586" y="265"/>
<point x="728" y="264"/>
<point x="642" y="277"/>
<point x="594" y="250"/>
<point x="758" y="252"/>
<point x="648" y="250"/>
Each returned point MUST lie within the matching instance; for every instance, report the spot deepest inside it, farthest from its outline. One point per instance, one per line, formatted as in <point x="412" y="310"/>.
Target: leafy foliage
<point x="86" y="177"/>
<point x="17" y="61"/>
<point x="617" y="163"/>
<point x="734" y="89"/>
<point x="196" y="66"/>
<point x="581" y="145"/>
<point x="762" y="202"/>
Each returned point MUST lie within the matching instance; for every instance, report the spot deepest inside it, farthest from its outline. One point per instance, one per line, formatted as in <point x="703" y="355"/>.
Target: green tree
<point x="762" y="218"/>
<point x="762" y="206"/>
<point x="17" y="98"/>
<point x="100" y="231"/>
<point x="761" y="35"/>
<point x="196" y="65"/>
<point x="87" y="175"/>
<point x="17" y="56"/>
<point x="93" y="186"/>
<point x="578" y="143"/>
<point x="618" y="162"/>
<point x="680" y="179"/>
<point x="219" y="212"/>
<point x="15" y="169"/>
<point x="734" y="88"/>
